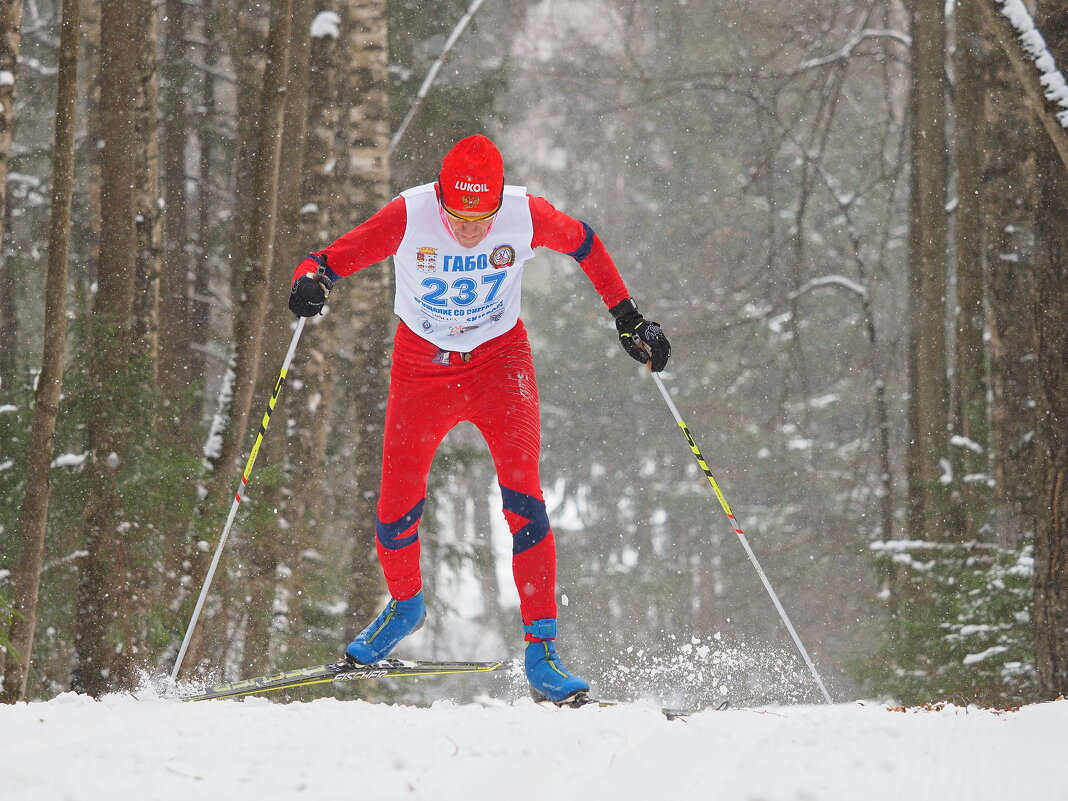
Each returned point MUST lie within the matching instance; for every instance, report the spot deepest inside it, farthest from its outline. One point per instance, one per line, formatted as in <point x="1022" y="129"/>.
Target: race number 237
<point x="462" y="291"/>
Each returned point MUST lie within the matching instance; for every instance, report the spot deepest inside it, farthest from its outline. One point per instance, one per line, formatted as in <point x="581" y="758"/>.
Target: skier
<point x="460" y="353"/>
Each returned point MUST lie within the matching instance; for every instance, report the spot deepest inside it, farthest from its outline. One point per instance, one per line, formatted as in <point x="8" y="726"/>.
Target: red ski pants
<point x="494" y="389"/>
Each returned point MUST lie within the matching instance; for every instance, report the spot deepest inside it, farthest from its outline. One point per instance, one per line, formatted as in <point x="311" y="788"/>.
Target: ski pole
<point x="741" y="536"/>
<point x="237" y="496"/>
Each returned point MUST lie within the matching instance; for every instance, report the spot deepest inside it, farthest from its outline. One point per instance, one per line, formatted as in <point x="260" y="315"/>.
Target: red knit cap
<point x="472" y="176"/>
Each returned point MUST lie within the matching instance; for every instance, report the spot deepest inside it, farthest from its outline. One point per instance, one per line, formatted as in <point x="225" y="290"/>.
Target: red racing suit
<point x="461" y="354"/>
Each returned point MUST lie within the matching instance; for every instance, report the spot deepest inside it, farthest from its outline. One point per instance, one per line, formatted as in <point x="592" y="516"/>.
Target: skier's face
<point x="469" y="231"/>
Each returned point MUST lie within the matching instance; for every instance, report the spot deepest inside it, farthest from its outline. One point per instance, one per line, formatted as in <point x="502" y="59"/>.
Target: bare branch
<point x="847" y="50"/>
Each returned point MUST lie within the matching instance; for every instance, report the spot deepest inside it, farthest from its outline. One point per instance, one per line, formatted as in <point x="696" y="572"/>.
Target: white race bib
<point x="455" y="297"/>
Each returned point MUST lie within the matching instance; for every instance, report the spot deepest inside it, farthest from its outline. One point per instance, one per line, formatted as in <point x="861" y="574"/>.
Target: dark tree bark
<point x="1051" y="525"/>
<point x="970" y="461"/>
<point x="175" y="354"/>
<point x="1051" y="347"/>
<point x="102" y="625"/>
<point x="256" y="259"/>
<point x="268" y="615"/>
<point x="1009" y="204"/>
<point x="147" y="211"/>
<point x="317" y="371"/>
<point x="1027" y="71"/>
<point x="929" y="508"/>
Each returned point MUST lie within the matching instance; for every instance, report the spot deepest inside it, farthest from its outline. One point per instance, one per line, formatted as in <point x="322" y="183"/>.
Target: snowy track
<point x="122" y="749"/>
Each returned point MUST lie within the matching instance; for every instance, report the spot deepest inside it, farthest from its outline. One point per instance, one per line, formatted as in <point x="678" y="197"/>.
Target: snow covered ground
<point x="127" y="748"/>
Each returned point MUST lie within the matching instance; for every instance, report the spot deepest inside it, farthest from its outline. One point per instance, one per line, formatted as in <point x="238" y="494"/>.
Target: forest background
<point x="848" y="217"/>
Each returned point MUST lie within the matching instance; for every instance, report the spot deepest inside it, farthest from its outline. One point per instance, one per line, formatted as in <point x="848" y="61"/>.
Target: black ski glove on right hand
<point x="309" y="294"/>
<point x="642" y="339"/>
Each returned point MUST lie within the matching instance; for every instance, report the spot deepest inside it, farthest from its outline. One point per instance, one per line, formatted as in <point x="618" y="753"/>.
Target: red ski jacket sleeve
<point x="379" y="237"/>
<point x="561" y="232"/>
<point x="368" y="243"/>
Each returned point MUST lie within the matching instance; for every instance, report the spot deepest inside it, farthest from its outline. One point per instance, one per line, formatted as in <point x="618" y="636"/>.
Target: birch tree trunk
<point x="310" y="402"/>
<point x="367" y="300"/>
<point x="33" y="514"/>
<point x="206" y="225"/>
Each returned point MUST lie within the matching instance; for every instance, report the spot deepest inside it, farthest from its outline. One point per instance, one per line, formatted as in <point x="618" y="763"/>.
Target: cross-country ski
<point x="342" y="670"/>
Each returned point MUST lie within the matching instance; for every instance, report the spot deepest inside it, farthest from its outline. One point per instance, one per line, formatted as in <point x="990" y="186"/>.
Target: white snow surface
<point x="146" y="747"/>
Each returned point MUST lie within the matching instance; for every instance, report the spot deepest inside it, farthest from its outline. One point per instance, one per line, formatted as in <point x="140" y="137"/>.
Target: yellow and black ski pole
<point x="741" y="536"/>
<point x="237" y="496"/>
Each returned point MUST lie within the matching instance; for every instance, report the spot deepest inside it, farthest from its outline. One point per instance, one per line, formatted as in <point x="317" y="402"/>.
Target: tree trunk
<point x="175" y="285"/>
<point x="206" y="235"/>
<point x="318" y="369"/>
<point x="251" y="306"/>
<point x="147" y="209"/>
<point x="102" y="623"/>
<point x="279" y="548"/>
<point x="368" y="299"/>
<point x="1051" y="529"/>
<point x="310" y="403"/>
<point x="85" y="222"/>
<point x="1009" y="201"/>
<point x="1051" y="346"/>
<point x="33" y="514"/>
<point x="970" y="459"/>
<point x="929" y="508"/>
<point x="10" y="40"/>
<point x="204" y="239"/>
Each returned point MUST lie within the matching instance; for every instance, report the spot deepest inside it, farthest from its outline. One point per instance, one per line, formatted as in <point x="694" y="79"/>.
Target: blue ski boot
<point x="397" y="621"/>
<point x="549" y="679"/>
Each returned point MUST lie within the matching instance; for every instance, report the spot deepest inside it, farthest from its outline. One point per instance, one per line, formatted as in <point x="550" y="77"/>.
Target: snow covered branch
<point x="830" y="280"/>
<point x="846" y="50"/>
<point x="1042" y="82"/>
<point x="755" y="313"/>
<point x="1034" y="45"/>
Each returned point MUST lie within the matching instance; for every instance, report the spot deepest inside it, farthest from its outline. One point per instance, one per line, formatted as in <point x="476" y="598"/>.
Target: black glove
<point x="309" y="294"/>
<point x="642" y="339"/>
